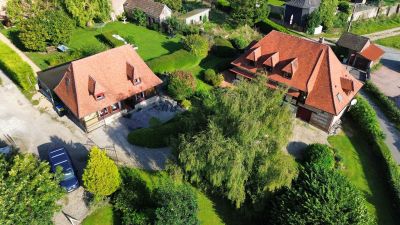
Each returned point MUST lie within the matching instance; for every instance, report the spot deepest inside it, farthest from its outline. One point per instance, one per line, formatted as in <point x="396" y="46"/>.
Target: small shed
<point x="196" y="16"/>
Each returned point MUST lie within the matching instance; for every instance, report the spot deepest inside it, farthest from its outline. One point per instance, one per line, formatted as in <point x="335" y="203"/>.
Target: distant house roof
<point x="360" y="44"/>
<point x="109" y="73"/>
<point x="315" y="70"/>
<point x="150" y="7"/>
<point x="194" y="12"/>
<point x="372" y="52"/>
<point x="352" y="41"/>
<point x="304" y="3"/>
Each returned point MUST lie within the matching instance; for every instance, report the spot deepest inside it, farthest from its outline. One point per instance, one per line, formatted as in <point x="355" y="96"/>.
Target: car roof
<point x="59" y="157"/>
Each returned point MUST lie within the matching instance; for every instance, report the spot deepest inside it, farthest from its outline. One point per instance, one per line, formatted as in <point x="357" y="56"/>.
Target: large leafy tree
<point x="28" y="191"/>
<point x="249" y="11"/>
<point x="53" y="27"/>
<point x="320" y="196"/>
<point x="18" y="10"/>
<point x="86" y="11"/>
<point x="196" y="44"/>
<point x="181" y="85"/>
<point x="101" y="176"/>
<point x="327" y="11"/>
<point x="175" y="5"/>
<point x="239" y="152"/>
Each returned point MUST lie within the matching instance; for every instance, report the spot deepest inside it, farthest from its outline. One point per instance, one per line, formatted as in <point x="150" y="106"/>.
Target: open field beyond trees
<point x="375" y="25"/>
<point x="393" y="42"/>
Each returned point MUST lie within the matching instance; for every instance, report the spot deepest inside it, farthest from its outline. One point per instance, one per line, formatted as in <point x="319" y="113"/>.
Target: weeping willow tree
<point x="239" y="153"/>
<point x="87" y="11"/>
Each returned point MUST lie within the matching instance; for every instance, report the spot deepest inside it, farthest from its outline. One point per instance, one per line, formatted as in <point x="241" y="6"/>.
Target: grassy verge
<point x="393" y="42"/>
<point x="102" y="216"/>
<point x="361" y="166"/>
<point x="276" y="2"/>
<point x="375" y="25"/>
<point x="18" y="70"/>
<point x="151" y="43"/>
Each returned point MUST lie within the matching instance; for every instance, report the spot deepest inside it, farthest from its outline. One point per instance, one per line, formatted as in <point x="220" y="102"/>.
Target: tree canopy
<point x="239" y="151"/>
<point x="327" y="11"/>
<point x="175" y="5"/>
<point x="319" y="155"/>
<point x="249" y="11"/>
<point x="101" y="176"/>
<point x="181" y="85"/>
<point x="28" y="190"/>
<point x="87" y="11"/>
<point x="320" y="196"/>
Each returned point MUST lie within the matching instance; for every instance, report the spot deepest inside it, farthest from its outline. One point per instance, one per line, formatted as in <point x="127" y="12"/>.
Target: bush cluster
<point x="239" y="42"/>
<point x="319" y="155"/>
<point x="107" y="38"/>
<point x="223" y="48"/>
<point x="181" y="85"/>
<point x="213" y="78"/>
<point x="364" y="115"/>
<point x="196" y="44"/>
<point x="154" y="198"/>
<point x="180" y="59"/>
<point x="388" y="106"/>
<point x="18" y="70"/>
<point x="186" y="104"/>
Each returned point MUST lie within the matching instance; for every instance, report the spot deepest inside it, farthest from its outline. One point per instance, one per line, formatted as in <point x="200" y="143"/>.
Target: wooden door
<point x="303" y="114"/>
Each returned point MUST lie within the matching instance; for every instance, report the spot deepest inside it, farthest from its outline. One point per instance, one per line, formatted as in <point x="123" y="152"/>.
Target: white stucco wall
<point x="198" y="18"/>
<point x="166" y="13"/>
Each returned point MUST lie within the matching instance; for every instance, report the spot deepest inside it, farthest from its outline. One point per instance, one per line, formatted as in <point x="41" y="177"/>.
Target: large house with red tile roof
<point x="361" y="53"/>
<point x="101" y="85"/>
<point x="320" y="87"/>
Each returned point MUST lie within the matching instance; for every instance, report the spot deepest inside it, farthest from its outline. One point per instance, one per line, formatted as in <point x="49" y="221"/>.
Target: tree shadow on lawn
<point x="374" y="171"/>
<point x="226" y="211"/>
<point x="172" y="46"/>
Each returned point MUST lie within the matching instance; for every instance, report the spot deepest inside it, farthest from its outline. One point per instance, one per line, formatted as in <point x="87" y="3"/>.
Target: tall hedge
<point x="364" y="115"/>
<point x="223" y="48"/>
<point x="388" y="106"/>
<point x="18" y="70"/>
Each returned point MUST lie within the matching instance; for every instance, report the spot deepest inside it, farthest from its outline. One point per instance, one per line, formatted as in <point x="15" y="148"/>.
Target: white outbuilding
<point x="196" y="16"/>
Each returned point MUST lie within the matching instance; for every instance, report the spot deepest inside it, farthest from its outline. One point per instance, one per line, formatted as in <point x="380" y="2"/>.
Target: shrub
<point x="240" y="43"/>
<point x="178" y="60"/>
<point x="211" y="77"/>
<point x="186" y="104"/>
<point x="139" y="17"/>
<point x="181" y="85"/>
<point x="18" y="70"/>
<point x="223" y="48"/>
<point x="107" y="38"/>
<point x="313" y="21"/>
<point x="196" y="44"/>
<point x="319" y="155"/>
<point x="267" y="26"/>
<point x="388" y="106"/>
<point x="101" y="176"/>
<point x="365" y="116"/>
<point x="344" y="6"/>
<point x="154" y="137"/>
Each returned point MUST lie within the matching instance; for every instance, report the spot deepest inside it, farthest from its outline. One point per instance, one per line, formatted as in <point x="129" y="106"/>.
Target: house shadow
<point x="77" y="152"/>
<point x="296" y="148"/>
<point x="391" y="64"/>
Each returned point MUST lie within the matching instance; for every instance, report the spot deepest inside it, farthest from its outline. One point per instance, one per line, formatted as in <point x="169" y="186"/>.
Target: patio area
<point x="160" y="109"/>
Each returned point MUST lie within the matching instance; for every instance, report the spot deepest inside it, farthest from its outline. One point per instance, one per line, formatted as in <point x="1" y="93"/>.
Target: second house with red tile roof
<point x="320" y="87"/>
<point x="99" y="86"/>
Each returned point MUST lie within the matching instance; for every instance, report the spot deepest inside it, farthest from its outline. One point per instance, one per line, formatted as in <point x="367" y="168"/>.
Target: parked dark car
<point x="60" y="157"/>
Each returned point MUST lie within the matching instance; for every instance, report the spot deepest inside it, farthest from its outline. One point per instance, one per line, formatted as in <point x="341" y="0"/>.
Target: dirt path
<point x="20" y="53"/>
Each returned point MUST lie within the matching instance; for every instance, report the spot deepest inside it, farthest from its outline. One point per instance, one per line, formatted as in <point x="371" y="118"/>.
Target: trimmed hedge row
<point x="364" y="115"/>
<point x="388" y="106"/>
<point x="178" y="60"/>
<point x="154" y="137"/>
<point x="107" y="38"/>
<point x="223" y="48"/>
<point x="18" y="70"/>
<point x="267" y="26"/>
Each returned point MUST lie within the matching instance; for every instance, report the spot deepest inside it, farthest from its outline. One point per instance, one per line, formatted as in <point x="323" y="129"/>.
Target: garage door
<point x="303" y="114"/>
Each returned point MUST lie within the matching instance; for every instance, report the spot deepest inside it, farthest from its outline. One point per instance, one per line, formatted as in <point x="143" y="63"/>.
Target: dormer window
<point x="100" y="97"/>
<point x="287" y="75"/>
<point x="137" y="81"/>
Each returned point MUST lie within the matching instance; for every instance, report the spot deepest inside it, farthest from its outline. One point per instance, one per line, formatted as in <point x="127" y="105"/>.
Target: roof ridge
<point x="330" y="80"/>
<point x="74" y="89"/>
<point x="313" y="72"/>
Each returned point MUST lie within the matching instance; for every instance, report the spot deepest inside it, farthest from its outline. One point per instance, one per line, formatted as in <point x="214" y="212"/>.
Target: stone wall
<point x="368" y="11"/>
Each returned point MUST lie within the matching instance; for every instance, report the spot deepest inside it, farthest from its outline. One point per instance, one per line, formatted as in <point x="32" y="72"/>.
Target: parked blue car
<point x="60" y="157"/>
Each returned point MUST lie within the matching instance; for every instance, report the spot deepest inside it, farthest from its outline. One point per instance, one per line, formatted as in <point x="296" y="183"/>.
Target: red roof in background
<point x="318" y="70"/>
<point x="109" y="73"/>
<point x="372" y="52"/>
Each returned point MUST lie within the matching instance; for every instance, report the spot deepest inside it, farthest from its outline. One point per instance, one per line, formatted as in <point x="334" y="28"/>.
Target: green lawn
<point x="101" y="216"/>
<point x="365" y="172"/>
<point x="375" y="25"/>
<point x="393" y="42"/>
<point x="276" y="2"/>
<point x="151" y="43"/>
